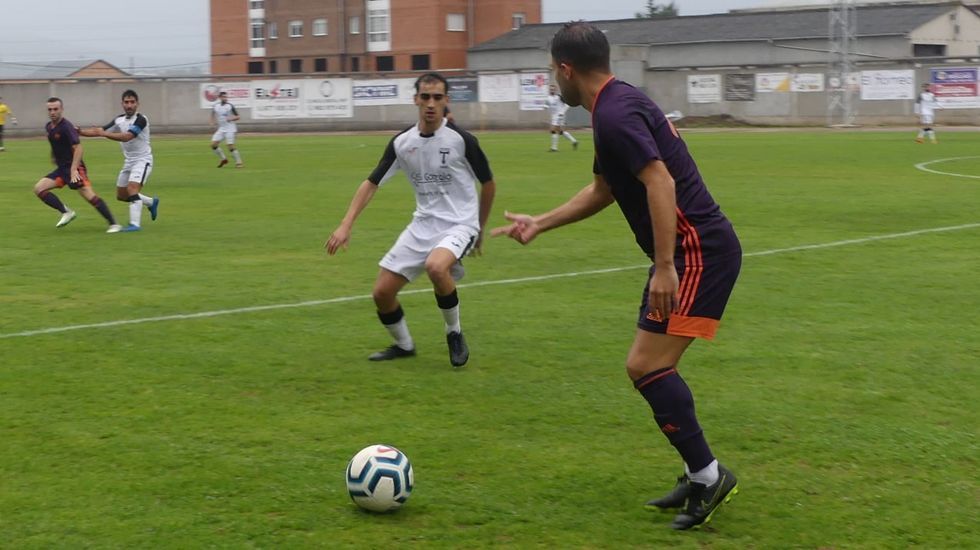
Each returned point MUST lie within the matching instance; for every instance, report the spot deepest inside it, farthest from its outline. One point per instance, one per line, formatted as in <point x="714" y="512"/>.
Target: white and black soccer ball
<point x="380" y="478"/>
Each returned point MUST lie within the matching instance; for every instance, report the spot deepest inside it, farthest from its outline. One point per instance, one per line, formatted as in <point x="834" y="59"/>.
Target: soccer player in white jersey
<point x="557" y="109"/>
<point x="224" y="115"/>
<point x="132" y="131"/>
<point x="443" y="163"/>
<point x="926" y="107"/>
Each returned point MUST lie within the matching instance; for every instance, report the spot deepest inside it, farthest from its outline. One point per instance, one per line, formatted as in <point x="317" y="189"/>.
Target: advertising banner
<point x="239" y="94"/>
<point x="393" y="91"/>
<point x="771" y="82"/>
<point x="884" y="85"/>
<point x="704" y="88"/>
<point x="955" y="87"/>
<point x="328" y="98"/>
<point x="463" y="89"/>
<point x="740" y="87"/>
<point x="499" y="88"/>
<point x="534" y="91"/>
<point x="836" y="83"/>
<point x="277" y="99"/>
<point x="807" y="82"/>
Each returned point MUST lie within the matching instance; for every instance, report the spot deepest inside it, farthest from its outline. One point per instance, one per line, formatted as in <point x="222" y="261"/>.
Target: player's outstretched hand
<point x="522" y="229"/>
<point x="337" y="240"/>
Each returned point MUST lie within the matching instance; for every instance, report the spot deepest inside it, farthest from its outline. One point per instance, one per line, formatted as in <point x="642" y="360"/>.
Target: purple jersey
<point x="62" y="136"/>
<point x="630" y="130"/>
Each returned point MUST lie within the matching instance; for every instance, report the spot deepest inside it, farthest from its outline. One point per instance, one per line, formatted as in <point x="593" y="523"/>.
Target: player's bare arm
<point x="341" y="236"/>
<point x="662" y="201"/>
<point x="76" y="160"/>
<point x="587" y="202"/>
<point x="94" y="131"/>
<point x="487" y="193"/>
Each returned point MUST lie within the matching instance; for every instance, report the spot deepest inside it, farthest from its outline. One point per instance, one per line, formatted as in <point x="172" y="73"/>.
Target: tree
<point x="654" y="10"/>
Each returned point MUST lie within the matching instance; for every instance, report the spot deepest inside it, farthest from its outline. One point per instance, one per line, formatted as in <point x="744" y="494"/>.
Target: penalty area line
<point x="922" y="166"/>
<point x="343" y="299"/>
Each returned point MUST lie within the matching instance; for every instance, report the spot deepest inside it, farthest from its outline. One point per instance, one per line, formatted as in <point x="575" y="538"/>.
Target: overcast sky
<point x="164" y="33"/>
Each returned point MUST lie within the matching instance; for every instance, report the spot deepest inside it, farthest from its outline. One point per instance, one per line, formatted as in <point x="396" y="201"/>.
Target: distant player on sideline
<point x="642" y="164"/>
<point x="224" y="115"/>
<point x="4" y="112"/>
<point x="557" y="109"/>
<point x="926" y="106"/>
<point x="443" y="163"/>
<point x="66" y="153"/>
<point x="132" y="131"/>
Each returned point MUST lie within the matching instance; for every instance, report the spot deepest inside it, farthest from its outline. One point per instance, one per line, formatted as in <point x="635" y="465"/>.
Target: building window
<point x="385" y="63"/>
<point x="517" y="20"/>
<point x="254" y="67"/>
<point x="455" y="22"/>
<point x="355" y="24"/>
<point x="929" y="50"/>
<point x="256" y="4"/>
<point x="258" y="34"/>
<point x="295" y="29"/>
<point x="420" y="62"/>
<point x="273" y="30"/>
<point x="319" y="27"/>
<point x="355" y="64"/>
<point x="273" y="66"/>
<point x="320" y="64"/>
<point x="378" y="26"/>
<point x="295" y="65"/>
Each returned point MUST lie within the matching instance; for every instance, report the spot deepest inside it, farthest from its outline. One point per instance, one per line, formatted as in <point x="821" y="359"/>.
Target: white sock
<point x="451" y="317"/>
<point x="399" y="332"/>
<point x="932" y="134"/>
<point x="237" y="155"/>
<point x="135" y="210"/>
<point x="146" y="200"/>
<point x="707" y="475"/>
<point x="569" y="137"/>
<point x="554" y="141"/>
<point x="921" y="133"/>
<point x="220" y="153"/>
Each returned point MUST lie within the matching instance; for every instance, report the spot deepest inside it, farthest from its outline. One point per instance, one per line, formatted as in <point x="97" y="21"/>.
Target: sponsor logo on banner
<point x="771" y="82"/>
<point x="393" y="91"/>
<point x="328" y="98"/>
<point x="885" y="85"/>
<point x="499" y="88"/>
<point x="740" y="87"/>
<point x="534" y="91"/>
<point x="956" y="87"/>
<point x="239" y="94"/>
<point x="704" y="88"/>
<point x="277" y="99"/>
<point x="807" y="82"/>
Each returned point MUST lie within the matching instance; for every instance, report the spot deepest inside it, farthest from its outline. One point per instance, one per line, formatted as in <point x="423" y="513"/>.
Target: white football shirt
<point x="137" y="148"/>
<point x="443" y="168"/>
<point x="221" y="114"/>
<point x="928" y="103"/>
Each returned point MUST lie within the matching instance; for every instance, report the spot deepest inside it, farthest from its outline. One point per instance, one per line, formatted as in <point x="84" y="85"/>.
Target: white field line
<point x="311" y="303"/>
<point x="922" y="166"/>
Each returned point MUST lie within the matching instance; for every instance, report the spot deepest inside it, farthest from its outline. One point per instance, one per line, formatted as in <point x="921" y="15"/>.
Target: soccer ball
<point x="380" y="478"/>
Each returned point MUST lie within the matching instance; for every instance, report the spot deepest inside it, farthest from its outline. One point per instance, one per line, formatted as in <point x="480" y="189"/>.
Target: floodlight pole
<point x="841" y="109"/>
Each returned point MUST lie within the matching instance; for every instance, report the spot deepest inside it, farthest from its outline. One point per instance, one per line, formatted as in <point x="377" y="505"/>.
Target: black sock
<point x="448" y="301"/>
<point x="673" y="410"/>
<point x="53" y="201"/>
<point x="391" y="318"/>
<point x="100" y="205"/>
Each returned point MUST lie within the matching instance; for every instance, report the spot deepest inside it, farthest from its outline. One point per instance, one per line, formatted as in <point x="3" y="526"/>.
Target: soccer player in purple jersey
<point x="643" y="165"/>
<point x="66" y="153"/>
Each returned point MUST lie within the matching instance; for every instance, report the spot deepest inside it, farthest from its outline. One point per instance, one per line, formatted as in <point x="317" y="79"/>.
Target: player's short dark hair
<point x="581" y="45"/>
<point x="130" y="93"/>
<point x="222" y="93"/>
<point x="52" y="99"/>
<point x="431" y="78"/>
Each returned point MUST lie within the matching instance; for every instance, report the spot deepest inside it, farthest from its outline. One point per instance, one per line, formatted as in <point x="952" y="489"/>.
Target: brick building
<point x="315" y="36"/>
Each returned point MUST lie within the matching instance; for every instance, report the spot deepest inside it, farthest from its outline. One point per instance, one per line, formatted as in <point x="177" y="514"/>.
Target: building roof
<point x="54" y="69"/>
<point x="888" y="20"/>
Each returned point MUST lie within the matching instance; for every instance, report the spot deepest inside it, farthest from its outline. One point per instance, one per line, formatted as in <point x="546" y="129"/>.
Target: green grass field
<point x="842" y="387"/>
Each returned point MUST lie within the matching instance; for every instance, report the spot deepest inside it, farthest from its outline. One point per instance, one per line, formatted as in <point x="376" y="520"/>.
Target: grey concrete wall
<point x="172" y="105"/>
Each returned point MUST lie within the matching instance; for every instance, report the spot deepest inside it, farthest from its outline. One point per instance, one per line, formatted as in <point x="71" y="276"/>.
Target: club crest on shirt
<point x="444" y="153"/>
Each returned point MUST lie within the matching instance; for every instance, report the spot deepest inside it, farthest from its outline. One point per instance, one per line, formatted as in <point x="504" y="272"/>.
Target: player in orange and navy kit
<point x="643" y="165"/>
<point x="66" y="153"/>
